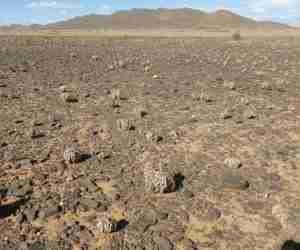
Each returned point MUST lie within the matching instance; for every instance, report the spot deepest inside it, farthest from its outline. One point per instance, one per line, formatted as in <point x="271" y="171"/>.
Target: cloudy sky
<point x="45" y="11"/>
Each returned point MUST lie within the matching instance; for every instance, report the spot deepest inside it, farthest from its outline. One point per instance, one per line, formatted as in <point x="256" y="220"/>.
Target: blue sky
<point x="45" y="11"/>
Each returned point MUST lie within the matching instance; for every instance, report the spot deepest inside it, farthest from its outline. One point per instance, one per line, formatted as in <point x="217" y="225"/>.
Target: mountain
<point x="184" y="18"/>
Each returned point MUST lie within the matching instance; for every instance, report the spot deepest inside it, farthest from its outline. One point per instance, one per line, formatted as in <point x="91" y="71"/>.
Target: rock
<point x="69" y="98"/>
<point x="95" y="57"/>
<point x="37" y="123"/>
<point x="266" y="85"/>
<point x="35" y="134"/>
<point x="227" y="114"/>
<point x="229" y="85"/>
<point x="150" y="136"/>
<point x="143" y="113"/>
<point x="250" y="114"/>
<point x="163" y="243"/>
<point x="105" y="224"/>
<point x="235" y="181"/>
<point x="63" y="89"/>
<point x="72" y="155"/>
<point x="125" y="125"/>
<point x="233" y="163"/>
<point x="147" y="68"/>
<point x="157" y="180"/>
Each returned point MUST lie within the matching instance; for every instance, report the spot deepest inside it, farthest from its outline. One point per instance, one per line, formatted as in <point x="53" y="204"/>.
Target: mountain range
<point x="184" y="18"/>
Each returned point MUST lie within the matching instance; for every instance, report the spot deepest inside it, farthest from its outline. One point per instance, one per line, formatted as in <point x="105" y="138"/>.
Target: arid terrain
<point x="217" y="121"/>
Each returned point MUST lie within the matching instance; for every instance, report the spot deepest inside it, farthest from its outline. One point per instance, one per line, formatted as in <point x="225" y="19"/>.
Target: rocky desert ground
<point x="132" y="143"/>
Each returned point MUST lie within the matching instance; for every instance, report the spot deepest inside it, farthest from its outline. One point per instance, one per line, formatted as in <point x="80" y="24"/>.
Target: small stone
<point x="233" y="163"/>
<point x="106" y="224"/>
<point x="125" y="124"/>
<point x="143" y="113"/>
<point x="115" y="94"/>
<point x="63" y="89"/>
<point x="249" y="114"/>
<point x="229" y="85"/>
<point x="35" y="134"/>
<point x="204" y="97"/>
<point x="227" y="114"/>
<point x="36" y="123"/>
<point x="95" y="57"/>
<point x="71" y="155"/>
<point x="147" y="68"/>
<point x="69" y="98"/>
<point x="157" y="180"/>
<point x="266" y="85"/>
<point x="73" y="55"/>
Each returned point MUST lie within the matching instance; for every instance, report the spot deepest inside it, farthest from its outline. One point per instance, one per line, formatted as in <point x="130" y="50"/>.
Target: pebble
<point x="233" y="163"/>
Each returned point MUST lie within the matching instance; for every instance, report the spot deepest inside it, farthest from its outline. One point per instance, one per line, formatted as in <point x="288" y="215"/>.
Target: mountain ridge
<point x="161" y="18"/>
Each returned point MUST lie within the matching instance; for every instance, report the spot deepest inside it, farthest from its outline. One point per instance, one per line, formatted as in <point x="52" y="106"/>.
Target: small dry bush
<point x="236" y="36"/>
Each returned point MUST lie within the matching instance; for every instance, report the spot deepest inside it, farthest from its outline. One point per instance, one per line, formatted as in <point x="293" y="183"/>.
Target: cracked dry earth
<point x="220" y="117"/>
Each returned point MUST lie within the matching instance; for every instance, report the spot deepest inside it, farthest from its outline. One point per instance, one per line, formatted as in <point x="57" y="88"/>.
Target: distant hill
<point x="185" y="18"/>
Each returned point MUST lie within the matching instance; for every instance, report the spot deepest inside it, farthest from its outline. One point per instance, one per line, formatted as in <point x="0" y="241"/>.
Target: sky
<point x="47" y="11"/>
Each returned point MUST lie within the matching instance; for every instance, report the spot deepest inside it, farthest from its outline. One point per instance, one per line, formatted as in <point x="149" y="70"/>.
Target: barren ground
<point x="193" y="104"/>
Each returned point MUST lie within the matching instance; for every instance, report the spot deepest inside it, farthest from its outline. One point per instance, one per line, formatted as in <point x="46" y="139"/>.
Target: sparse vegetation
<point x="207" y="111"/>
<point x="236" y="36"/>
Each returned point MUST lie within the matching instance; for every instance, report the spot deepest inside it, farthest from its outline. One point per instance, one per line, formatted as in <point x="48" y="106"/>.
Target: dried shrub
<point x="236" y="36"/>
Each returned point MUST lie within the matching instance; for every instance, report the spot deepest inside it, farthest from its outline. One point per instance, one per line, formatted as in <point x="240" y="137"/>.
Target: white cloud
<point x="54" y="5"/>
<point x="104" y="9"/>
<point x="277" y="10"/>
